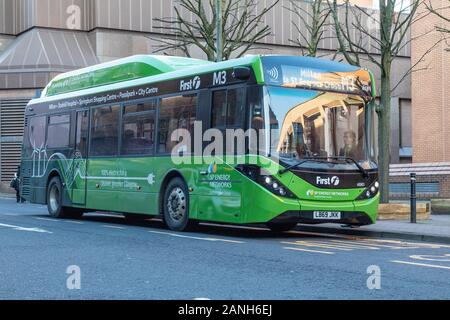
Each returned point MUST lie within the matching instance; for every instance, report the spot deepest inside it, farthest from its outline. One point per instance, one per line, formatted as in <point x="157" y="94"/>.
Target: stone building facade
<point x="42" y="38"/>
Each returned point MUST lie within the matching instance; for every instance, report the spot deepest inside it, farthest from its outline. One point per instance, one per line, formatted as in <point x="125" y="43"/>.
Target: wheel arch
<point x="53" y="173"/>
<point x="167" y="178"/>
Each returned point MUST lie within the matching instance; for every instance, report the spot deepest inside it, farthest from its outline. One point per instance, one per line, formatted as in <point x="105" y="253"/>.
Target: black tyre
<point x="176" y="206"/>
<point x="282" y="227"/>
<point x="54" y="201"/>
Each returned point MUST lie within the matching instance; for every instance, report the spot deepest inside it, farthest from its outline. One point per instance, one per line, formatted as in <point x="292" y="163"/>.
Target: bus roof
<point x="130" y="68"/>
<point x="143" y="69"/>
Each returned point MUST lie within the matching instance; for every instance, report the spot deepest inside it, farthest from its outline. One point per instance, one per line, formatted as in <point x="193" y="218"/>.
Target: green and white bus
<point x="104" y="138"/>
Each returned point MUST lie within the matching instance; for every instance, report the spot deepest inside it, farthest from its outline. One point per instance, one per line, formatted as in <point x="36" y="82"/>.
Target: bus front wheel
<point x="54" y="201"/>
<point x="176" y="206"/>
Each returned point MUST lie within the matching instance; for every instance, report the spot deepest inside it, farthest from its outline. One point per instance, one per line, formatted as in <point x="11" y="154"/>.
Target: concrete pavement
<point x="437" y="229"/>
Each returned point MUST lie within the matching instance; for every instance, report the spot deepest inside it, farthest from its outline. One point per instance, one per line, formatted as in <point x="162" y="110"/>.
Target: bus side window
<point x="219" y="109"/>
<point x="138" y="132"/>
<point x="236" y="107"/>
<point x="82" y="133"/>
<point x="177" y="112"/>
<point x="228" y="110"/>
<point x="105" y="131"/>
<point x="36" y="133"/>
<point x="58" y="131"/>
<point x="256" y="108"/>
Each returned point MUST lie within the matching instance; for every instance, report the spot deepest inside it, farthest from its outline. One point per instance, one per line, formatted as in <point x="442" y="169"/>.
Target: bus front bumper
<point x="308" y="217"/>
<point x="363" y="212"/>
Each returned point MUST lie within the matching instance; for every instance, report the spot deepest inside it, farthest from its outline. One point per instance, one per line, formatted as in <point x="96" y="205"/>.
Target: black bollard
<point x="413" y="198"/>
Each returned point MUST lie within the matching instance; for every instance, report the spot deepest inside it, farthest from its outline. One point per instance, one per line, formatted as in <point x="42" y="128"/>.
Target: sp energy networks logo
<point x="218" y="181"/>
<point x="323" y="194"/>
<point x="212" y="168"/>
<point x="329" y="181"/>
<point x="310" y="193"/>
<point x="193" y="84"/>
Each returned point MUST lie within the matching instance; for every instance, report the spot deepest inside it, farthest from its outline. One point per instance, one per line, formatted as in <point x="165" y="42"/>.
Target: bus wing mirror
<point x="241" y="73"/>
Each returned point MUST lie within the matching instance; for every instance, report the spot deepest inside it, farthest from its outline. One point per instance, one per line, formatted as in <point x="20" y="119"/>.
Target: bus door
<point x="80" y="157"/>
<point x="220" y="184"/>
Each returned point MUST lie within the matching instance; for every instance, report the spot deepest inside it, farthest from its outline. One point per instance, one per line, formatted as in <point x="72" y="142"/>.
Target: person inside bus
<point x="301" y="148"/>
<point x="350" y="148"/>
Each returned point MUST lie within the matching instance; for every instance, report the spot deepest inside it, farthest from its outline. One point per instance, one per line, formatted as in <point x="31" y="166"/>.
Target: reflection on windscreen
<point x="310" y="124"/>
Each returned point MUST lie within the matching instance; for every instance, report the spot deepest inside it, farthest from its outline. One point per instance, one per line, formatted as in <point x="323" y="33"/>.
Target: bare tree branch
<point x="313" y="16"/>
<point x="443" y="14"/>
<point x="242" y="27"/>
<point x="413" y="67"/>
<point x="438" y="11"/>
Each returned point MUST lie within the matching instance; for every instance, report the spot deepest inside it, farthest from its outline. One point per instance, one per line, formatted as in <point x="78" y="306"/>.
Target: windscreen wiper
<point x="283" y="171"/>
<point x="325" y="159"/>
<point x="363" y="171"/>
<point x="349" y="159"/>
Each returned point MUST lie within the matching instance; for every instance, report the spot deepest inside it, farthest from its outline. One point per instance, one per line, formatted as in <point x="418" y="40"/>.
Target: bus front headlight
<point x="266" y="180"/>
<point x="370" y="192"/>
<point x="276" y="187"/>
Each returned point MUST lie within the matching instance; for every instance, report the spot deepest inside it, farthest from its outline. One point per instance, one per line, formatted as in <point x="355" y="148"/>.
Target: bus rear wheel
<point x="281" y="227"/>
<point x="54" y="201"/>
<point x="176" y="206"/>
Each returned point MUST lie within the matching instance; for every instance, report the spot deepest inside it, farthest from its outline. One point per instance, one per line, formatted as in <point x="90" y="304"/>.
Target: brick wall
<point x="444" y="186"/>
<point x="430" y="87"/>
<point x="434" y="176"/>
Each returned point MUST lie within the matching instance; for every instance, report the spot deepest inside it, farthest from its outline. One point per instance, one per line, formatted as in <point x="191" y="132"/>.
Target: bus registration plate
<point x="327" y="215"/>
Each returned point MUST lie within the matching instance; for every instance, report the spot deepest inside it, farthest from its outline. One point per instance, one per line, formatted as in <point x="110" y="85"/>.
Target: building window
<point x="139" y="129"/>
<point x="105" y="131"/>
<point x="405" y="124"/>
<point x="406" y="150"/>
<point x="58" y="131"/>
<point x="175" y="113"/>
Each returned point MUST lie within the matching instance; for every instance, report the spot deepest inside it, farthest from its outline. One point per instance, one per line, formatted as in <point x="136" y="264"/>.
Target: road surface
<point x="108" y="257"/>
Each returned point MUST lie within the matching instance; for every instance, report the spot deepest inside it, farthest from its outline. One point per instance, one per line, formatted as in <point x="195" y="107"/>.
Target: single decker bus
<point x="141" y="136"/>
